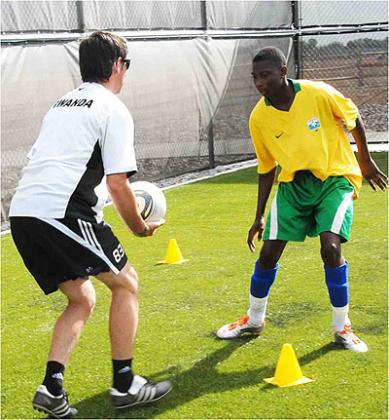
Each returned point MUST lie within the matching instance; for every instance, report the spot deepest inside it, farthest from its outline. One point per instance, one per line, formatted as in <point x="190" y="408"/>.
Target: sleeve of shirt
<point x="266" y="162"/>
<point x="342" y="107"/>
<point x="117" y="146"/>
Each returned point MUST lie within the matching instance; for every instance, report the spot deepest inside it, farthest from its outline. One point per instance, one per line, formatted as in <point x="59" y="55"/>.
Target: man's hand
<point x="150" y="228"/>
<point x="372" y="174"/>
<point x="256" y="229"/>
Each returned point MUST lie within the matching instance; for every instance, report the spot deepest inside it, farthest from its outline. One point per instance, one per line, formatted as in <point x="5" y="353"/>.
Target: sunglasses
<point x="126" y="62"/>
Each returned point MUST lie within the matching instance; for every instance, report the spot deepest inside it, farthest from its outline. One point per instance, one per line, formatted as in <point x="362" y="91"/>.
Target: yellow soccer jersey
<point x="309" y="136"/>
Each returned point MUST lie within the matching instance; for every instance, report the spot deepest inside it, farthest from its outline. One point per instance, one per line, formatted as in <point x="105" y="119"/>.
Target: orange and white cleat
<point x="350" y="341"/>
<point x="238" y="328"/>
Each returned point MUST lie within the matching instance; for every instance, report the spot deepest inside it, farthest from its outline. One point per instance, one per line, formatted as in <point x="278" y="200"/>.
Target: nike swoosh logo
<point x="279" y="135"/>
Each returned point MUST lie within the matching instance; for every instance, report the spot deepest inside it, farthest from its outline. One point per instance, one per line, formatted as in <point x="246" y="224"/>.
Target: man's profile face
<point x="120" y="73"/>
<point x="267" y="76"/>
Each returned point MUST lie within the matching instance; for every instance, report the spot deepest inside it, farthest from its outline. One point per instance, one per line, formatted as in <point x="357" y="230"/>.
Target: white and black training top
<point x="87" y="134"/>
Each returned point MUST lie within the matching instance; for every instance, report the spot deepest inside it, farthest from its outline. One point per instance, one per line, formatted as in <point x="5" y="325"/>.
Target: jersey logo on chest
<point x="313" y="123"/>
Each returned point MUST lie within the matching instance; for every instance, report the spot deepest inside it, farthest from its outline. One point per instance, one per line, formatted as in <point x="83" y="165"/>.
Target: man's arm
<point x="265" y="184"/>
<point x="125" y="202"/>
<point x="369" y="169"/>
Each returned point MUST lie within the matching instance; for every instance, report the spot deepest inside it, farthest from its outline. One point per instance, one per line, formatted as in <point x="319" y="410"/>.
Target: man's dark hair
<point x="98" y="52"/>
<point x="272" y="54"/>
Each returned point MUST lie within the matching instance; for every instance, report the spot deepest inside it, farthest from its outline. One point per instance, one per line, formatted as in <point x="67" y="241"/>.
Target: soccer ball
<point x="151" y="201"/>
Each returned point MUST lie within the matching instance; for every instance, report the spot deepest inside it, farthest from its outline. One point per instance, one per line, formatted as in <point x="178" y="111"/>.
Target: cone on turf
<point x="288" y="371"/>
<point x="173" y="254"/>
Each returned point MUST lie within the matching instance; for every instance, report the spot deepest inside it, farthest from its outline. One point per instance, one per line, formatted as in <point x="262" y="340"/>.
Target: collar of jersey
<point x="296" y="87"/>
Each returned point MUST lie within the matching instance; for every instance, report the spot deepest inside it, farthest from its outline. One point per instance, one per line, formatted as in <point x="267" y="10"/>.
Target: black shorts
<point x="57" y="250"/>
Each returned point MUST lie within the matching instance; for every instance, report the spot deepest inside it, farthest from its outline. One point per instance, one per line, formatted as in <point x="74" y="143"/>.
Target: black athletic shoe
<point x="57" y="407"/>
<point x="141" y="392"/>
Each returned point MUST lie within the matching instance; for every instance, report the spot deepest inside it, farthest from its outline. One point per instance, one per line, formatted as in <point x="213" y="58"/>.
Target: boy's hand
<point x="373" y="174"/>
<point x="256" y="229"/>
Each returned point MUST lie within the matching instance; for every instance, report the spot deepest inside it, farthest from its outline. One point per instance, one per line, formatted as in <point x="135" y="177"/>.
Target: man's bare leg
<point x="81" y="301"/>
<point x="50" y="396"/>
<point x="123" y="319"/>
<point x="128" y="390"/>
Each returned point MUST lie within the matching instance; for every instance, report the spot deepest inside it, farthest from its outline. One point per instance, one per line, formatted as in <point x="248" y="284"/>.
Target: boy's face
<point x="268" y="77"/>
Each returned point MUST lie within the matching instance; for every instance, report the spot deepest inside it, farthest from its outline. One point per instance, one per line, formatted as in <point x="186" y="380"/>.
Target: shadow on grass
<point x="202" y="379"/>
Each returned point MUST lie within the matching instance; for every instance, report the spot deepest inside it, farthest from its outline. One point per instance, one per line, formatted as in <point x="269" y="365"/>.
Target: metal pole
<point x="359" y="67"/>
<point x="211" y="144"/>
<point x="203" y="11"/>
<point x="80" y="16"/>
<point x="298" y="57"/>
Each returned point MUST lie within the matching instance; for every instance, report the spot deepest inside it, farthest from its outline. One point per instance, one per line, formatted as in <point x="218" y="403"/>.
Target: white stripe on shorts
<point x="82" y="228"/>
<point x="92" y="247"/>
<point x="89" y="234"/>
<point x="92" y="232"/>
<point x="273" y="219"/>
<point x="341" y="213"/>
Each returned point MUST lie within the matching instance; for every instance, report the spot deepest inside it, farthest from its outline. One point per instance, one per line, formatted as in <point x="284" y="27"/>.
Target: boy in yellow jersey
<point x="299" y="126"/>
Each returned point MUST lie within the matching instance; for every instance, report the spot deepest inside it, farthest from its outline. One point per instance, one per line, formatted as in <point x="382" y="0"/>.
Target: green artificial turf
<point x="181" y="307"/>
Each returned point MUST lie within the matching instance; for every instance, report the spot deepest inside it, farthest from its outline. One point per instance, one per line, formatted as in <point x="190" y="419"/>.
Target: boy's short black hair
<point x="273" y="54"/>
<point x="97" y="53"/>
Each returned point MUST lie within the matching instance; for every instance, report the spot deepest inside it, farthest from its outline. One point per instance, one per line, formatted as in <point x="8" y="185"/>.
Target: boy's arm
<point x="265" y="183"/>
<point x="369" y="169"/>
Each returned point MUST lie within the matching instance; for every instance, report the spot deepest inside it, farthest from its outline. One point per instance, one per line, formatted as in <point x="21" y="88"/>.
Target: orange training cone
<point x="173" y="254"/>
<point x="288" y="371"/>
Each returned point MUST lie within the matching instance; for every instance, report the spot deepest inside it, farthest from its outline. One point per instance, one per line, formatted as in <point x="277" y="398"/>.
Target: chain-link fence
<point x="356" y="67"/>
<point x="31" y="16"/>
<point x="322" y="13"/>
<point x="190" y="88"/>
<point x="345" y="54"/>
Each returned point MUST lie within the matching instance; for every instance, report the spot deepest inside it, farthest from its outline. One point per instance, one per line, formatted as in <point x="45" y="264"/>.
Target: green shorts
<point x="308" y="206"/>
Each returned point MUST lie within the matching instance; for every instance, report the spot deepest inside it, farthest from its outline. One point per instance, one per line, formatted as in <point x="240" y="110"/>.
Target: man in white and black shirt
<point x="84" y="150"/>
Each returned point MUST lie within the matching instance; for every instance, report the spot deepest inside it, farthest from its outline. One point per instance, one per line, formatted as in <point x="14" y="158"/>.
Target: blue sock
<point x="337" y="284"/>
<point x="261" y="280"/>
